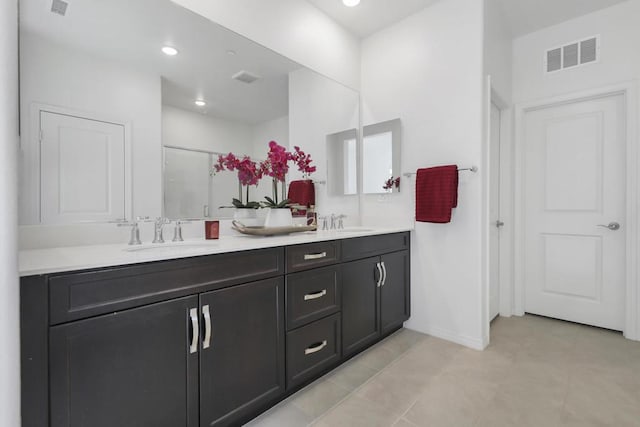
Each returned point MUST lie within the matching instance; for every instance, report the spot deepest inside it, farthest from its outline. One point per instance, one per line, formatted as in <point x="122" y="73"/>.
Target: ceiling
<point x="526" y="16"/>
<point x="370" y="16"/>
<point x="132" y="32"/>
<point x="523" y="16"/>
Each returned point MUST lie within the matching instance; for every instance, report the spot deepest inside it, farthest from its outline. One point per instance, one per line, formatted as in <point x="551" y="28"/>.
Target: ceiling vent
<point x="245" y="77"/>
<point x="59" y="7"/>
<point x="572" y="55"/>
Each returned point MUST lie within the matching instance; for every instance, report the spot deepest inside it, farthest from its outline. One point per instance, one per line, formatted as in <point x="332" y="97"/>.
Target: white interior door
<point x="82" y="169"/>
<point x="494" y="213"/>
<point x="574" y="181"/>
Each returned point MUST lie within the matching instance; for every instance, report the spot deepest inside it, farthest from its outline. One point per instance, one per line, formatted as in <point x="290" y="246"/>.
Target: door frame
<point x="492" y="96"/>
<point x="629" y="91"/>
<point x="31" y="205"/>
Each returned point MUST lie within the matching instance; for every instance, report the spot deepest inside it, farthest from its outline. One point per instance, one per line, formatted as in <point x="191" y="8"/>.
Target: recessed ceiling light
<point x="231" y="52"/>
<point x="169" y="51"/>
<point x="351" y="3"/>
<point x="200" y="103"/>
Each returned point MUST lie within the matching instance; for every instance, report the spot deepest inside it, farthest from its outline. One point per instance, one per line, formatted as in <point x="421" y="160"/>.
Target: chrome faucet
<point x="177" y="230"/>
<point x="135" y="230"/>
<point x="158" y="226"/>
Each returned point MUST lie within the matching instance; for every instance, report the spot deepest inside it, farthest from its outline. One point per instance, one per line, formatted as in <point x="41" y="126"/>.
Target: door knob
<point x="499" y="223"/>
<point x="613" y="226"/>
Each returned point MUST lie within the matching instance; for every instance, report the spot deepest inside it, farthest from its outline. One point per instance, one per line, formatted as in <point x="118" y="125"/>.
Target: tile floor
<point x="536" y="372"/>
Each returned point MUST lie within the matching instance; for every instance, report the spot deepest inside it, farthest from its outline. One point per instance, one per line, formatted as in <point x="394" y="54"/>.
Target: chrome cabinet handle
<point x="315" y="256"/>
<point x="207" y="327"/>
<point x="315" y="348"/>
<point x="379" y="274"/>
<point x="193" y="313"/>
<point x="613" y="226"/>
<point x="315" y="295"/>
<point x="384" y="273"/>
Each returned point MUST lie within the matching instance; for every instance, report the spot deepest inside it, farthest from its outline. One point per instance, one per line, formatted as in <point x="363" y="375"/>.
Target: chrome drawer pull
<point x="193" y="313"/>
<point x="207" y="327"/>
<point x="316" y="348"/>
<point x="315" y="295"/>
<point x="384" y="271"/>
<point x="379" y="274"/>
<point x="315" y="256"/>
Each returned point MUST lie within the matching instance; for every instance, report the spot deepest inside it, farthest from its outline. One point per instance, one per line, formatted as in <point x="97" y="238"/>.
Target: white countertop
<point x="55" y="260"/>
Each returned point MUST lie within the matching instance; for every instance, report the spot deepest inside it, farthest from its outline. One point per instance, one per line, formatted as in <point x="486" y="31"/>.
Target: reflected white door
<point x="494" y="213"/>
<point x="82" y="169"/>
<point x="575" y="179"/>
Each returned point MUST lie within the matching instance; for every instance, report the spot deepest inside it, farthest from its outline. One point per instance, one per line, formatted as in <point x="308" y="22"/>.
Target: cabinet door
<point x="131" y="368"/>
<point x="360" y="321"/>
<point x="242" y="370"/>
<point x="394" y="292"/>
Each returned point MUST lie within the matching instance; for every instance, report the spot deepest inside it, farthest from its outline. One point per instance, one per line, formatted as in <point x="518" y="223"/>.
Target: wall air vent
<point x="245" y="77"/>
<point x="59" y="7"/>
<point x="572" y="55"/>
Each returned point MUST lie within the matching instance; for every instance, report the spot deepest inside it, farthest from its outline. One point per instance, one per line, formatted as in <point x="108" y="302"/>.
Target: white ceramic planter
<point x="248" y="217"/>
<point x="278" y="218"/>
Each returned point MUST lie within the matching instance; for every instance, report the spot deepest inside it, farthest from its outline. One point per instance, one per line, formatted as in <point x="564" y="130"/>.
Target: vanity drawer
<point x="312" y="349"/>
<point x="79" y="295"/>
<point x="365" y="247"/>
<point x="311" y="255"/>
<point x="312" y="295"/>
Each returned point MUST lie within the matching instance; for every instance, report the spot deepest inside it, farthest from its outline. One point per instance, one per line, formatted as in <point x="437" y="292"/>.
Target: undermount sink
<point x="171" y="247"/>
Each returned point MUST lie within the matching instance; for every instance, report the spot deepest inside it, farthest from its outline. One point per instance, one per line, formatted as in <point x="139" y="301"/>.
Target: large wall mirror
<point x="114" y="126"/>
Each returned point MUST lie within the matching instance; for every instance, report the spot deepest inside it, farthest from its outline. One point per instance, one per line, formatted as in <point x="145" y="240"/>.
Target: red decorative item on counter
<point x="212" y="230"/>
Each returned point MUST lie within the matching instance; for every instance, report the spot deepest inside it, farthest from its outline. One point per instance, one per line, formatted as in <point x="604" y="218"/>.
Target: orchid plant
<point x="277" y="165"/>
<point x="249" y="173"/>
<point x="391" y="183"/>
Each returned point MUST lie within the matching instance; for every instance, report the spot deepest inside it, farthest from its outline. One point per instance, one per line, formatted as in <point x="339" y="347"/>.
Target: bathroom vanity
<point x="200" y="336"/>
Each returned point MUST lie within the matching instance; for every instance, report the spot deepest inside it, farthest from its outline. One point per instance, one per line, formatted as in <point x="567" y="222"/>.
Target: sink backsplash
<point x="53" y="236"/>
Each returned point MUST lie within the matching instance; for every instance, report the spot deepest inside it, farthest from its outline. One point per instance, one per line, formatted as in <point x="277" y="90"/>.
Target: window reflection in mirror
<point x="380" y="155"/>
<point x="342" y="151"/>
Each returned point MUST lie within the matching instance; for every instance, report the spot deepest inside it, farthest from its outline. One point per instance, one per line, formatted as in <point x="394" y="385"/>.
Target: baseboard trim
<point x="467" y="341"/>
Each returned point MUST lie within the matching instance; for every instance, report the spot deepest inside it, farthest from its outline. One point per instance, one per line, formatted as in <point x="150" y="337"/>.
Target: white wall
<point x="497" y="49"/>
<point x="620" y="60"/>
<point x="9" y="288"/>
<point x="318" y="107"/>
<point x="55" y="75"/>
<point x="272" y="130"/>
<point x="427" y="71"/>
<point x="293" y="28"/>
<point x="182" y="128"/>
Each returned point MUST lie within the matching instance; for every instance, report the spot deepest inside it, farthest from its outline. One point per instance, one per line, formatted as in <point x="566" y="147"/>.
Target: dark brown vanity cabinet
<point x="203" y="341"/>
<point x="242" y="354"/>
<point x="375" y="290"/>
<point x="131" y="368"/>
<point x="314" y="294"/>
<point x="211" y="353"/>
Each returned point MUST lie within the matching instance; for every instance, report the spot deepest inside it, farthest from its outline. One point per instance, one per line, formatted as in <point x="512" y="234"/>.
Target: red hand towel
<point x="436" y="193"/>
<point x="302" y="193"/>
